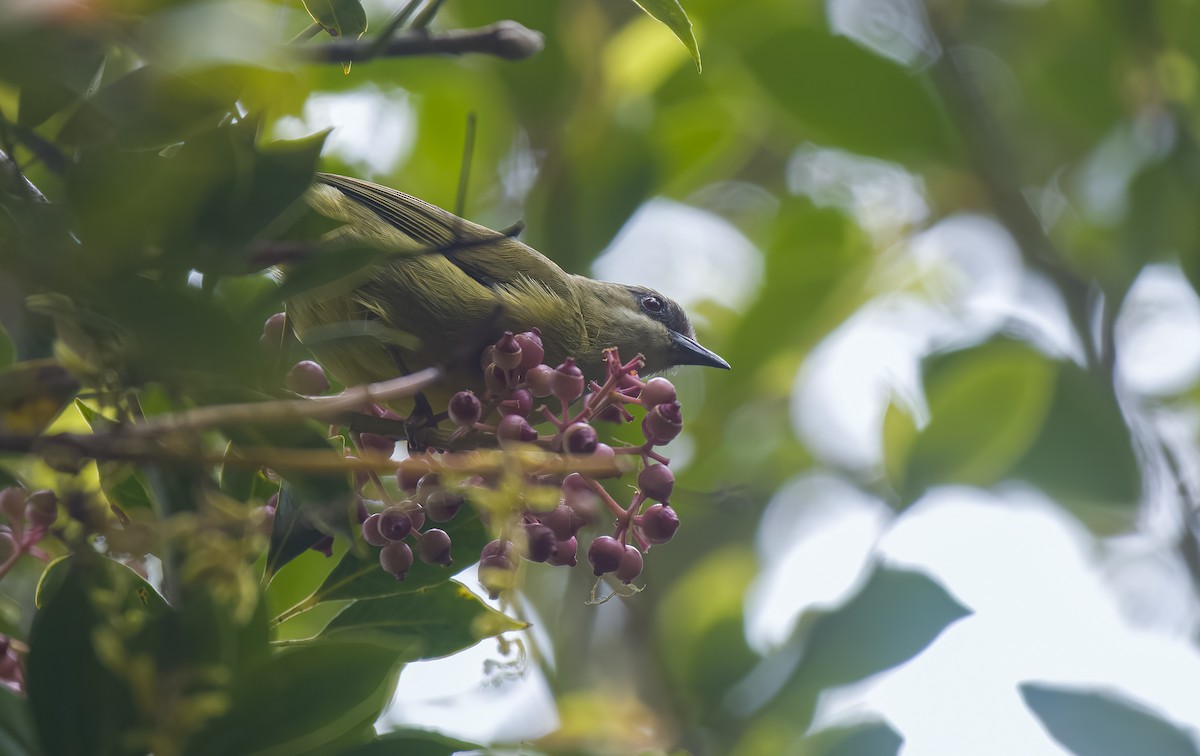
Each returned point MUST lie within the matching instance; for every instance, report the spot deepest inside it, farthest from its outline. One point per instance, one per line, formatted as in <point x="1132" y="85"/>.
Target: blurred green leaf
<point x="673" y="16"/>
<point x="894" y="617"/>
<point x="840" y="94"/>
<point x="700" y="626"/>
<point x="79" y="704"/>
<point x="148" y="107"/>
<point x="300" y="700"/>
<point x="868" y="739"/>
<point x="411" y="742"/>
<point x="987" y="405"/>
<point x="1084" y="456"/>
<point x="341" y="18"/>
<point x="8" y="350"/>
<point x="427" y="624"/>
<point x="17" y="734"/>
<point x="1098" y="723"/>
<point x="121" y="484"/>
<point x="359" y="576"/>
<point x="67" y="60"/>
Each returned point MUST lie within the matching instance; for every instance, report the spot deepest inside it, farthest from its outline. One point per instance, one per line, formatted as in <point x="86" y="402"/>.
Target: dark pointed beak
<point x="686" y="351"/>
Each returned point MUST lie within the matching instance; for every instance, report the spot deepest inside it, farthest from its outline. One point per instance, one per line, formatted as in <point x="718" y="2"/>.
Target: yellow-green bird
<point x="456" y="286"/>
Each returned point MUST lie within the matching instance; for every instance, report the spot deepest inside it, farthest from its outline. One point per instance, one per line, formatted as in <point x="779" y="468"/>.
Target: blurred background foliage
<point x="947" y="247"/>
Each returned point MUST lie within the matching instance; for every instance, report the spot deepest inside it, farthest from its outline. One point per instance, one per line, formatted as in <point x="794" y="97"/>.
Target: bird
<point x="449" y="287"/>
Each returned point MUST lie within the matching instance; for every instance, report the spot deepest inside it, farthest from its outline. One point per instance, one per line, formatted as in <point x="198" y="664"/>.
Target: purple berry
<point x="515" y="429"/>
<point x="564" y="554"/>
<point x="12" y="503"/>
<point x="442" y="505"/>
<point x="507" y="355"/>
<point x="371" y="533"/>
<point x="520" y="402"/>
<point x="410" y="473"/>
<point x="631" y="565"/>
<point x="415" y="512"/>
<point x="538" y="380"/>
<point x="395" y="524"/>
<point x="658" y="390"/>
<point x="539" y="542"/>
<point x="579" y="438"/>
<point x="563" y="521"/>
<point x="396" y="558"/>
<point x="434" y="547"/>
<point x="373" y="444"/>
<point x="566" y="382"/>
<point x="656" y="482"/>
<point x="465" y="409"/>
<point x="605" y="554"/>
<point x="41" y="508"/>
<point x="662" y="423"/>
<point x="499" y="548"/>
<point x="659" y="523"/>
<point x="273" y="330"/>
<point x="324" y="546"/>
<point x="494" y="379"/>
<point x="532" y="351"/>
<point x="360" y="509"/>
<point x="428" y="483"/>
<point x="308" y="378"/>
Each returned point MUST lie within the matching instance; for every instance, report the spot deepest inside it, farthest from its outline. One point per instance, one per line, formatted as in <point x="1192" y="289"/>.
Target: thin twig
<point x="504" y="39"/>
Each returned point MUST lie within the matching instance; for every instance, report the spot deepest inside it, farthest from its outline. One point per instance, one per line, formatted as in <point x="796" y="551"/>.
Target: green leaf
<point x="294" y="529"/>
<point x="300" y="700"/>
<point x="986" y="406"/>
<point x="79" y="705"/>
<point x="426" y="624"/>
<point x="895" y="616"/>
<point x="8" y="350"/>
<point x="840" y="94"/>
<point x="359" y="576"/>
<point x="148" y="107"/>
<point x="411" y="742"/>
<point x="707" y="653"/>
<point x="341" y="18"/>
<point x="1084" y="457"/>
<point x="17" y="734"/>
<point x="1096" y="723"/>
<point x="673" y="16"/>
<point x="867" y="739"/>
<point x="121" y="484"/>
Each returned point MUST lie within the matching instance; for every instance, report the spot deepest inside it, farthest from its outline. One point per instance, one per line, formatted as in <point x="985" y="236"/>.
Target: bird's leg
<point x="422" y="415"/>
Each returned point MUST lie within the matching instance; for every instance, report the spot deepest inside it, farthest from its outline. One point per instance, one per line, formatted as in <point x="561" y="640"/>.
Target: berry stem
<point x="616" y="509"/>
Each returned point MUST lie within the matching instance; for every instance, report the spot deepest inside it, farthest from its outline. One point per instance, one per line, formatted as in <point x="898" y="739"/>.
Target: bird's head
<point x="638" y="319"/>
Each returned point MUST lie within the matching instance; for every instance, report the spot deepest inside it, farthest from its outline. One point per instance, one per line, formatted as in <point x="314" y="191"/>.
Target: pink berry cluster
<point x="516" y="378"/>
<point x="521" y="395"/>
<point x="28" y="518"/>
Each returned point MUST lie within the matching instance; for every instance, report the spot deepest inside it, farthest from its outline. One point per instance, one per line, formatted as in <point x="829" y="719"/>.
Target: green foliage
<point x="174" y="142"/>
<point x="1098" y="723"/>
<point x="426" y="624"/>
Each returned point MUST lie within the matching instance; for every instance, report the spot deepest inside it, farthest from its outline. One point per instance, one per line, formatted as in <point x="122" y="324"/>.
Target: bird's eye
<point x="652" y="304"/>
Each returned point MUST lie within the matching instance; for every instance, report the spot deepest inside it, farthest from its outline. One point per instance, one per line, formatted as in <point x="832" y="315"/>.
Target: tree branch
<point x="994" y="161"/>
<point x="504" y="39"/>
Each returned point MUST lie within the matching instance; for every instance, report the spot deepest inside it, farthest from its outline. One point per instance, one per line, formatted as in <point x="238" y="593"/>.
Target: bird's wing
<point x="489" y="257"/>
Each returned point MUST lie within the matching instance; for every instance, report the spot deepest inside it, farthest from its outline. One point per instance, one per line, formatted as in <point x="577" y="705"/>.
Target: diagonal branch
<point x="504" y="39"/>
